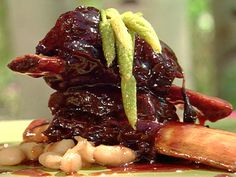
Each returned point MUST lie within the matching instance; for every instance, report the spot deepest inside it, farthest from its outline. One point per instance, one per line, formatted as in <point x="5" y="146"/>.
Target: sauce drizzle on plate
<point x="139" y="168"/>
<point x="31" y="172"/>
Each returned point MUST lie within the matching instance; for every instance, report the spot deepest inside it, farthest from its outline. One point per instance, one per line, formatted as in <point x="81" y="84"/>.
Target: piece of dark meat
<point x="76" y="39"/>
<point x="153" y="71"/>
<point x="97" y="114"/>
<point x="38" y="66"/>
<point x="102" y="101"/>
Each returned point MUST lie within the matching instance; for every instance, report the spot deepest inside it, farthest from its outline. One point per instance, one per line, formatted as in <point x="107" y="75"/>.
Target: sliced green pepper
<point x="138" y="24"/>
<point x="129" y="97"/>
<point x="108" y="38"/>
<point x="111" y="12"/>
<point x="118" y="35"/>
<point x="121" y="32"/>
<point x="125" y="53"/>
<point x="125" y="60"/>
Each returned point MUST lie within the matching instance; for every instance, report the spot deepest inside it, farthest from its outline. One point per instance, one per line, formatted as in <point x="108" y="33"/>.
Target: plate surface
<point x="19" y="171"/>
<point x="16" y="129"/>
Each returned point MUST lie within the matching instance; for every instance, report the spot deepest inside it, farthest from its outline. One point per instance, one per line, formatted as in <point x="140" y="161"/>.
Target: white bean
<point x="113" y="155"/>
<point x="50" y="160"/>
<point x="85" y="149"/>
<point x="32" y="150"/>
<point x="71" y="161"/>
<point x="12" y="155"/>
<point x="60" y="147"/>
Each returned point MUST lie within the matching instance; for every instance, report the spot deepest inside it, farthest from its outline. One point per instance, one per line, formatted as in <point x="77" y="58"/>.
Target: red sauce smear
<point x="135" y="168"/>
<point x="223" y="175"/>
<point x="74" y="174"/>
<point x="31" y="172"/>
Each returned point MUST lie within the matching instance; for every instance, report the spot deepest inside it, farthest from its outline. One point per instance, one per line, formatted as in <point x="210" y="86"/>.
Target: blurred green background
<point x="201" y="32"/>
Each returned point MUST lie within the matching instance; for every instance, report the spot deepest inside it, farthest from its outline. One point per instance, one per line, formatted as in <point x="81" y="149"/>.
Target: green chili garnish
<point x="111" y="12"/>
<point x="125" y="53"/>
<point x="118" y="35"/>
<point x="138" y="24"/>
<point x="121" y="31"/>
<point x="108" y="38"/>
<point x="128" y="82"/>
<point x="129" y="97"/>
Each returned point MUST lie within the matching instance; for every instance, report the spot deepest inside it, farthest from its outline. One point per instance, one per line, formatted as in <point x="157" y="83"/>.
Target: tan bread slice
<point x="208" y="146"/>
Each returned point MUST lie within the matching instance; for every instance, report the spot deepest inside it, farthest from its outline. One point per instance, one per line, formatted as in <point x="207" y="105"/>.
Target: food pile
<point x="113" y="90"/>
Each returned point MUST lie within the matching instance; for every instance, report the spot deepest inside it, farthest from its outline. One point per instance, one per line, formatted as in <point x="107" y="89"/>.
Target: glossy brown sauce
<point x="88" y="100"/>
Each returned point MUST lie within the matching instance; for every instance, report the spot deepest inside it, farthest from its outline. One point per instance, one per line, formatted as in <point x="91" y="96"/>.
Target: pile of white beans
<point x="66" y="155"/>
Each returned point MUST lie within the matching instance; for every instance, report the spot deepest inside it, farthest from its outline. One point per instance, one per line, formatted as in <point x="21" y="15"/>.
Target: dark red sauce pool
<point x="31" y="172"/>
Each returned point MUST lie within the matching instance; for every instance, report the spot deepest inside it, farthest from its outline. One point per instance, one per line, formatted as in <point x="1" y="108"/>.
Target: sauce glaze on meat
<point x="87" y="101"/>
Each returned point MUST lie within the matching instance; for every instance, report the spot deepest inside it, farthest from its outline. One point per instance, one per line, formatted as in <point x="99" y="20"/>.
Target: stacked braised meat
<point x="88" y="101"/>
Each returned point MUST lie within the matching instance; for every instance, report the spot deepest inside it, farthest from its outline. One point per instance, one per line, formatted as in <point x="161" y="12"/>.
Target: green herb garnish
<point x="125" y="55"/>
<point x="143" y="28"/>
<point x="108" y="38"/>
<point x="118" y="35"/>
